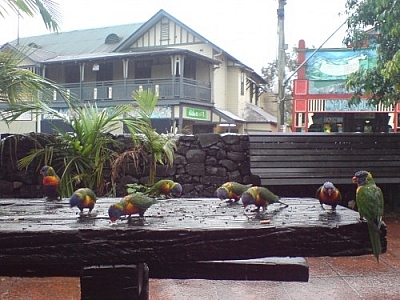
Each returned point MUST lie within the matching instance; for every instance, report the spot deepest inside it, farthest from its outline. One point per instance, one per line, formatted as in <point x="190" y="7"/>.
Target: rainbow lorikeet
<point x="166" y="188"/>
<point x="328" y="194"/>
<point x="232" y="191"/>
<point x="370" y="203"/>
<point x="260" y="197"/>
<point x="50" y="183"/>
<point x="130" y="205"/>
<point x="83" y="198"/>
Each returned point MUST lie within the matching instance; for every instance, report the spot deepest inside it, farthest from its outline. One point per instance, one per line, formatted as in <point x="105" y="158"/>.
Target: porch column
<point x="177" y="67"/>
<point x="82" y="78"/>
<point x="125" y="65"/>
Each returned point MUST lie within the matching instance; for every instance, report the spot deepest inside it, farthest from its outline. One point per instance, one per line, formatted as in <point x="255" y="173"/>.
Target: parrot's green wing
<point x="370" y="202"/>
<point x="370" y="205"/>
<point x="51" y="172"/>
<point x="90" y="193"/>
<point x="238" y="188"/>
<point x="268" y="195"/>
<point x="155" y="189"/>
<point x="141" y="201"/>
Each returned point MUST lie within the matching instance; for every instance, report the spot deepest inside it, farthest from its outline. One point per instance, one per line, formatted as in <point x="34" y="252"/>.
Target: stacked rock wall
<point x="201" y="164"/>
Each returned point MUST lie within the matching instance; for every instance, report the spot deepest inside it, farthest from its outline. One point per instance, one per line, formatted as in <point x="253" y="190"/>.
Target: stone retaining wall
<point x="202" y="163"/>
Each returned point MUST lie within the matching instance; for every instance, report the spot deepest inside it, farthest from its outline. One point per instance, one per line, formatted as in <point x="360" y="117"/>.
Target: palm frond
<point x="49" y="10"/>
<point x="17" y="84"/>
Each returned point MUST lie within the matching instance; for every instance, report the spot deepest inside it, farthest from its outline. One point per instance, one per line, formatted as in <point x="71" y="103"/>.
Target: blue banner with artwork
<point x="327" y="70"/>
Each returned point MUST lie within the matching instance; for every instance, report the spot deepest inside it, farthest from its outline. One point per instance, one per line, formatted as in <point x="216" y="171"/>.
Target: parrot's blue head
<point x="247" y="199"/>
<point x="114" y="212"/>
<point x="222" y="193"/>
<point x="176" y="191"/>
<point x="74" y="200"/>
<point x="361" y="177"/>
<point x="44" y="170"/>
<point x="77" y="198"/>
<point x="329" y="188"/>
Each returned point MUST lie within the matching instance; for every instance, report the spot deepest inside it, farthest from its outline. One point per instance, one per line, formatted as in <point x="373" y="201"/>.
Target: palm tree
<point x="48" y="9"/>
<point x="84" y="152"/>
<point x="159" y="147"/>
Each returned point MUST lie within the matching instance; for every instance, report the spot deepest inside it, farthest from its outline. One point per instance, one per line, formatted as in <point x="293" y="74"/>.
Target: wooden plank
<point x="344" y="173"/>
<point x="309" y="150"/>
<point x="317" y="180"/>
<point x="384" y="167"/>
<point x="322" y="146"/>
<point x="267" y="268"/>
<point x="278" y="157"/>
<point x="338" y="137"/>
<point x="312" y="171"/>
<point x="41" y="233"/>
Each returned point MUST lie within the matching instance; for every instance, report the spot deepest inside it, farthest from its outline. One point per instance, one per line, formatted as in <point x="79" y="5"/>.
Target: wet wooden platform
<point x="41" y="238"/>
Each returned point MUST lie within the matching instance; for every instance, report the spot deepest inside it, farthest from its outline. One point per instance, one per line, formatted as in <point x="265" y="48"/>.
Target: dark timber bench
<point x="288" y="161"/>
<point x="180" y="238"/>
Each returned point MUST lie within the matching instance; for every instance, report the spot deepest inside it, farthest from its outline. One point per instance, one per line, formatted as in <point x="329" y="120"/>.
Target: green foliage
<point x="18" y="84"/>
<point x="147" y="141"/>
<point x="84" y="152"/>
<point x="48" y="10"/>
<point x="380" y="84"/>
<point x="133" y="188"/>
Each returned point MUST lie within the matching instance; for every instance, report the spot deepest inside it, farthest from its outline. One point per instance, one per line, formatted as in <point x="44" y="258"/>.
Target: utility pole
<point x="281" y="65"/>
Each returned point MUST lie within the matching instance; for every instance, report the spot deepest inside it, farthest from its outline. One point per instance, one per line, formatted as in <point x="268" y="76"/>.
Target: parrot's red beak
<point x="354" y="179"/>
<point x="330" y="192"/>
<point x="113" y="220"/>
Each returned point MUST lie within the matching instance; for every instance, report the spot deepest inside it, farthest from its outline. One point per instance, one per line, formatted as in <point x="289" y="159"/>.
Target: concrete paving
<point x="330" y="278"/>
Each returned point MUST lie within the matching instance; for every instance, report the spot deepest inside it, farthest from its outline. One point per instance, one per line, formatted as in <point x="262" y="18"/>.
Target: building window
<point x="190" y="68"/>
<point x="105" y="72"/>
<point x="72" y="74"/>
<point x="143" y="69"/>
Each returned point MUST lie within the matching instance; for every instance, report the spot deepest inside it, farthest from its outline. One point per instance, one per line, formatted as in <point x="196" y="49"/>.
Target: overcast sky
<point x="246" y="29"/>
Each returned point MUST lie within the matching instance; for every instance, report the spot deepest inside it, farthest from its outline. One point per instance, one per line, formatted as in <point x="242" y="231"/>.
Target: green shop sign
<point x="196" y="113"/>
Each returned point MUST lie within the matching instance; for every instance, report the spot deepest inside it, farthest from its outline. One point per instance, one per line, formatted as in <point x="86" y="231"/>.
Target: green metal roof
<point x="81" y="41"/>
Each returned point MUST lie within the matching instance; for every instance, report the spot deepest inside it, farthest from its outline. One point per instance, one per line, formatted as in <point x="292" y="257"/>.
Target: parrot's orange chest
<point x="329" y="199"/>
<point x="131" y="209"/>
<point x="50" y="180"/>
<point x="232" y="195"/>
<point x="259" y="200"/>
<point x="87" y="202"/>
<point x="165" y="188"/>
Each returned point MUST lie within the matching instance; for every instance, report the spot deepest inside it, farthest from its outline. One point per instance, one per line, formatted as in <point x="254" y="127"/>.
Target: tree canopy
<point x="377" y="23"/>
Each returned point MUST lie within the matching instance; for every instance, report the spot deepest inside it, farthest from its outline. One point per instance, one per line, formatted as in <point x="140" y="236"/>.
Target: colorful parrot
<point x="370" y="203"/>
<point x="83" y="198"/>
<point x="51" y="183"/>
<point x="166" y="188"/>
<point x="328" y="194"/>
<point x="130" y="205"/>
<point x="232" y="191"/>
<point x="260" y="197"/>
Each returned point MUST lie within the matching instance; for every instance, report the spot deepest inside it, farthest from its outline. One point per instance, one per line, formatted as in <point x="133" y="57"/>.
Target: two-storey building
<point x="201" y="88"/>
